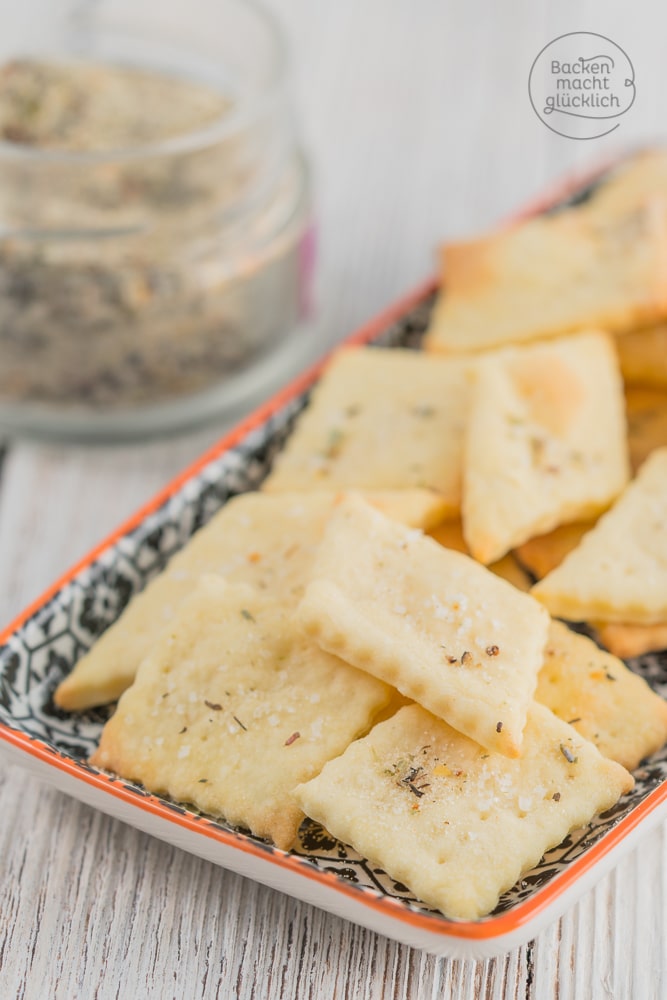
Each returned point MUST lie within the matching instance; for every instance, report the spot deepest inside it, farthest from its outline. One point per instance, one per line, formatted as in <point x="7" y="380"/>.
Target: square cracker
<point x="380" y="419"/>
<point x="547" y="431"/>
<point x="267" y="541"/>
<point x="642" y="355"/>
<point x="543" y="553"/>
<point x="627" y="186"/>
<point x="647" y="422"/>
<point x="619" y="570"/>
<point x="438" y="626"/>
<point x="454" y="823"/>
<point x="627" y="640"/>
<point x="604" y="701"/>
<point x="553" y="275"/>
<point x="233" y="708"/>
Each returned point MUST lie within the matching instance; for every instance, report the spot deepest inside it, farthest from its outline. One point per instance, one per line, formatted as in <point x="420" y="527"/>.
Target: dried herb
<point x="414" y="775"/>
<point x="499" y="727"/>
<point x="423" y="410"/>
<point x="567" y="753"/>
<point x="466" y="658"/>
<point x="556" y="796"/>
<point x="334" y="443"/>
<point x="213" y="705"/>
<point x="246" y="614"/>
<point x="183" y="730"/>
<point x="245" y="728"/>
<point x="292" y="739"/>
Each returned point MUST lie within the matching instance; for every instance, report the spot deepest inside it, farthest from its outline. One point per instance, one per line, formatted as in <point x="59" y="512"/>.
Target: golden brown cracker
<point x="543" y="553"/>
<point x="233" y="708"/>
<point x="456" y="824"/>
<point x="432" y="622"/>
<point x="546" y="441"/>
<point x="553" y="275"/>
<point x="380" y="419"/>
<point x="267" y="541"/>
<point x="647" y="423"/>
<point x="619" y="570"/>
<point x="604" y="701"/>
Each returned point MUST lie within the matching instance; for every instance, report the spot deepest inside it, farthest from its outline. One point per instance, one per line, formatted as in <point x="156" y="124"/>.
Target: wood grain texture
<point x="417" y="118"/>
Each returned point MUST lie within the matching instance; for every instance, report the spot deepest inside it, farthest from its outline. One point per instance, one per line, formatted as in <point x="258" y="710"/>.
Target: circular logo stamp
<point x="580" y="84"/>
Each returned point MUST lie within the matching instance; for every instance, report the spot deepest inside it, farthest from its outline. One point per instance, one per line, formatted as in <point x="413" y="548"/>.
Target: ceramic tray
<point x="48" y="638"/>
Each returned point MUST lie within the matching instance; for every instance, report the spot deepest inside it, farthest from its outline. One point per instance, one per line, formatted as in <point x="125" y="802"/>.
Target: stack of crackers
<point x="361" y="641"/>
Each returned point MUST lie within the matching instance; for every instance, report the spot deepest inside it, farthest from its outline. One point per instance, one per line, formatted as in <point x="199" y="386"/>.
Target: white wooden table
<point x="420" y="128"/>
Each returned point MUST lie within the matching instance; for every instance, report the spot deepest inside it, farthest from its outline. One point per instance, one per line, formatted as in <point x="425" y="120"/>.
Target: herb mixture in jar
<point x="133" y="271"/>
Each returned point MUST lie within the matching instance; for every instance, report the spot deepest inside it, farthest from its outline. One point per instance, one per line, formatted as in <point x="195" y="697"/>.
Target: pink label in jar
<point x="307" y="255"/>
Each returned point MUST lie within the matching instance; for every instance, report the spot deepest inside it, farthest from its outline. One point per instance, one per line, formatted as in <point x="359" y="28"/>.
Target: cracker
<point x="627" y="640"/>
<point x="432" y="622"/>
<point x="647" y="423"/>
<point x="267" y="541"/>
<point x="553" y="275"/>
<point x="454" y="823"/>
<point x="233" y="708"/>
<point x="543" y="553"/>
<point x="619" y="570"/>
<point x="626" y="187"/>
<point x="642" y="355"/>
<point x="509" y="569"/>
<point x="546" y="441"/>
<point x="450" y="535"/>
<point x="380" y="419"/>
<point x="604" y="701"/>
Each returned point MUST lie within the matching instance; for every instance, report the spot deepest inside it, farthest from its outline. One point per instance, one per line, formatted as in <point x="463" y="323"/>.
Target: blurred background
<point x="416" y="121"/>
<point x="420" y="128"/>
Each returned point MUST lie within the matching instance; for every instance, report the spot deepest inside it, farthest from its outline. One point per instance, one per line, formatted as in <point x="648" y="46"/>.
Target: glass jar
<point x="147" y="287"/>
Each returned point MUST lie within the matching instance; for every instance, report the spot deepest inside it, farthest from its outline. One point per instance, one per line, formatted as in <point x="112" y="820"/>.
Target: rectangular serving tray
<point x="45" y="641"/>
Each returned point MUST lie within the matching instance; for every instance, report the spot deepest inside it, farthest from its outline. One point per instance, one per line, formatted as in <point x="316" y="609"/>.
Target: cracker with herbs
<point x="266" y="541"/>
<point x="618" y="573"/>
<point x="627" y="186"/>
<point x="553" y="275"/>
<point x="604" y="701"/>
<point x="234" y="707"/>
<point x="627" y="640"/>
<point x="456" y="824"/>
<point x="546" y="441"/>
<point x="430" y="621"/>
<point x="643" y="357"/>
<point x="380" y="419"/>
